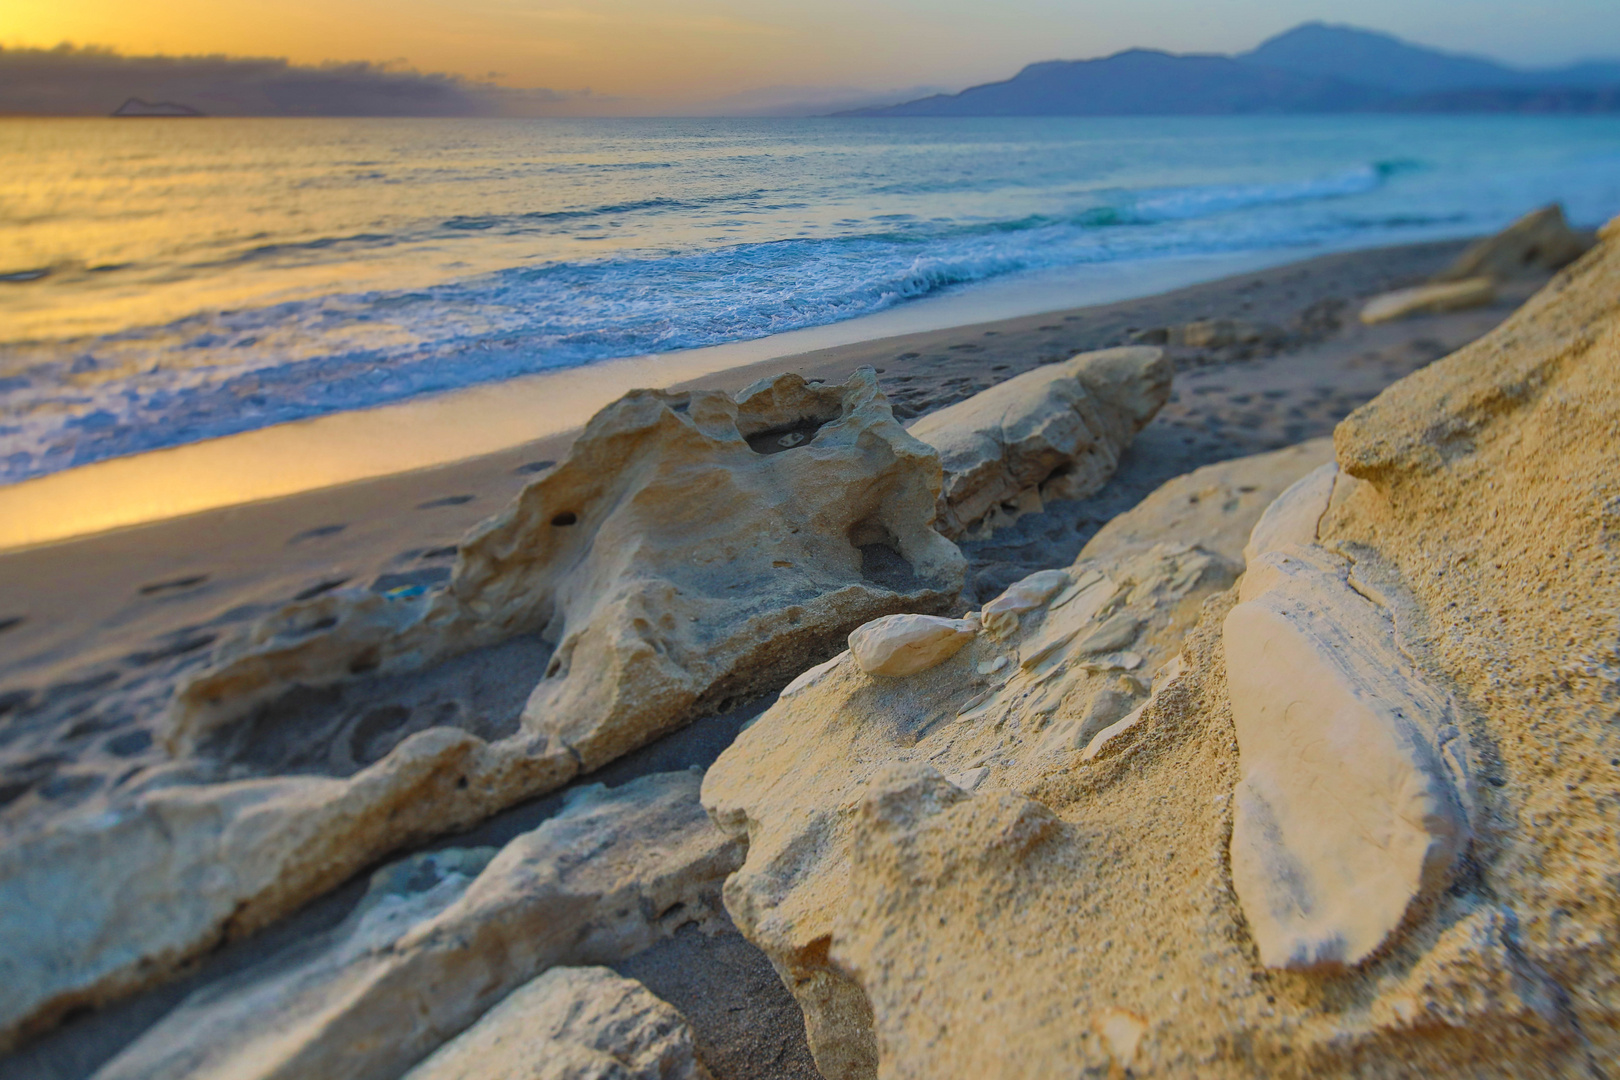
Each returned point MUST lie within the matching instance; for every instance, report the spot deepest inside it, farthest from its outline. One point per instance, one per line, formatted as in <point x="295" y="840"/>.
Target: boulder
<point x="1053" y="433"/>
<point x="898" y="645"/>
<point x="441" y="937"/>
<point x="1001" y="714"/>
<point x="1366" y="827"/>
<point x="686" y="553"/>
<point x="1431" y="299"/>
<point x="572" y="1024"/>
<point x="1541" y="242"/>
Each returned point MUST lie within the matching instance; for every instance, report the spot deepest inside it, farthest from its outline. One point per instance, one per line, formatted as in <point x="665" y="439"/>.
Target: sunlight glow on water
<point x="164" y="282"/>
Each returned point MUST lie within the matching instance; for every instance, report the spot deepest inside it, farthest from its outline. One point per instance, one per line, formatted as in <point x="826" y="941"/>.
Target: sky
<point x="676" y="52"/>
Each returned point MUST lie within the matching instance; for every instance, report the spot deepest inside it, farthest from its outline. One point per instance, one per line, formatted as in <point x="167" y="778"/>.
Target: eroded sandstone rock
<point x="1052" y="433"/>
<point x="1351" y="805"/>
<point x="441" y="937"/>
<point x="685" y="553"/>
<point x="680" y="546"/>
<point x="572" y="1023"/>
<point x="1055" y="917"/>
<point x="1215" y="507"/>
<point x="1002" y="713"/>
<point x="898" y="645"/>
<point x="1538" y="243"/>
<point x="1432" y="299"/>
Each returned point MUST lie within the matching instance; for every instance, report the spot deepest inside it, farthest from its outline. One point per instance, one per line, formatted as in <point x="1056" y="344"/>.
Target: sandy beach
<point x="94" y="631"/>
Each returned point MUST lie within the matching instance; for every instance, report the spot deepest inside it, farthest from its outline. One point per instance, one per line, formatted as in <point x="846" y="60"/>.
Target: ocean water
<point x="168" y="281"/>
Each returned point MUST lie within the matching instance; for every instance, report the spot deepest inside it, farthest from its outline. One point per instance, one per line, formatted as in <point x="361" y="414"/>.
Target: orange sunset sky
<point x="689" y="50"/>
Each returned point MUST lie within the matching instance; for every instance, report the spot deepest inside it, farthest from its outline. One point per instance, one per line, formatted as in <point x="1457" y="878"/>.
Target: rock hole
<point x="528" y="468"/>
<point x="9" y="622"/>
<point x="881" y="561"/>
<point x="785" y="437"/>
<point x="567" y="517"/>
<point x="370" y="660"/>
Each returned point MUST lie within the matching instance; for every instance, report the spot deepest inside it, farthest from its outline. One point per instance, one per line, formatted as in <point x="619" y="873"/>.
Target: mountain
<point x="1376" y="59"/>
<point x="1143" y="82"/>
<point x="1311" y="68"/>
<point x="1385" y="61"/>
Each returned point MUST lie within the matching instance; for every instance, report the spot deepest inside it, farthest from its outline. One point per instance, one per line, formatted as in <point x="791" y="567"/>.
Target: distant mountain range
<point x="1310" y="69"/>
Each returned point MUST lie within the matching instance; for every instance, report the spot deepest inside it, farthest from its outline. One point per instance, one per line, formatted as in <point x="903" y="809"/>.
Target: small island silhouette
<point x="137" y="107"/>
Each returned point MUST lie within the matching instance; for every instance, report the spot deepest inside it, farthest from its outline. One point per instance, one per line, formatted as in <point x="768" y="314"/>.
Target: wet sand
<point x="94" y="632"/>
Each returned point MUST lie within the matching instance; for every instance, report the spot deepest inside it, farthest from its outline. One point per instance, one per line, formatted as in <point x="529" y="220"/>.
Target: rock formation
<point x="1052" y="433"/>
<point x="1432" y="299"/>
<point x="1541" y="242"/>
<point x="1006" y="710"/>
<point x="1216" y="506"/>
<point x="630" y="557"/>
<point x="691" y="549"/>
<point x="441" y="937"/>
<point x="572" y="1024"/>
<point x="1353" y="798"/>
<point x="1362" y="825"/>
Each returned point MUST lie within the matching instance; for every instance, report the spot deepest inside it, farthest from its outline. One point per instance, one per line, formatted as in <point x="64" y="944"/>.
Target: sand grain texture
<point x="1070" y="915"/>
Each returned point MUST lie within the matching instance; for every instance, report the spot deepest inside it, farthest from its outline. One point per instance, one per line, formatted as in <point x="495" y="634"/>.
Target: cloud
<point x="90" y="81"/>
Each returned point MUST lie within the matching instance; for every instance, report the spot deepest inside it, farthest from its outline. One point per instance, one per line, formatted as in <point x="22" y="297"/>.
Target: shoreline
<point x="81" y="604"/>
<point x="544" y="409"/>
<point x="111" y="619"/>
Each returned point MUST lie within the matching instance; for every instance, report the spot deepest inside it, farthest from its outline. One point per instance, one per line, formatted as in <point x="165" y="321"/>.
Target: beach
<point x="94" y="630"/>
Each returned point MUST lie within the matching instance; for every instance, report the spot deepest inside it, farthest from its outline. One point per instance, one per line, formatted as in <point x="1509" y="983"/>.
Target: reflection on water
<point x="166" y="282"/>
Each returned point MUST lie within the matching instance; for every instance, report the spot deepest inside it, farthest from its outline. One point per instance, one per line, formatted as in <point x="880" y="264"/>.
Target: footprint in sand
<point x="178" y="646"/>
<point x="320" y="587"/>
<point x="448" y="500"/>
<point x="318" y="532"/>
<point x="10" y="622"/>
<point x="174" y="585"/>
<point x="128" y="744"/>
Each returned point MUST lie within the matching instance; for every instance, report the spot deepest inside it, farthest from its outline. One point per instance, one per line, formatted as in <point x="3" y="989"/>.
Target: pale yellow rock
<point x="1000" y="616"/>
<point x="1215" y="507"/>
<point x="899" y="645"/>
<point x="440" y="939"/>
<point x="584" y="1023"/>
<point x="679" y="557"/>
<point x="1429" y="300"/>
<point x="1538" y="243"/>
<point x="1293" y="516"/>
<point x="1052" y="433"/>
<point x="935" y="933"/>
<point x="790" y="780"/>
<point x="628" y="556"/>
<point x="1347" y="812"/>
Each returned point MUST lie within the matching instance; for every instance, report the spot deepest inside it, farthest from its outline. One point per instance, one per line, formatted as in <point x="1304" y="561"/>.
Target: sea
<point x="168" y="281"/>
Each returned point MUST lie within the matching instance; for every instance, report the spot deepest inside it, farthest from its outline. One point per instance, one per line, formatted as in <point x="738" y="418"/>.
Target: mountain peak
<point x="1370" y="56"/>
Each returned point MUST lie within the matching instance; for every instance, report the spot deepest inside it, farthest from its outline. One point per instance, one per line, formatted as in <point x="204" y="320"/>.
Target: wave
<point x="72" y="402"/>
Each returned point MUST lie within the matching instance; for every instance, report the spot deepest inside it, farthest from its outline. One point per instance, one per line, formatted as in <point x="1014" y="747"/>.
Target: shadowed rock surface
<point x="572" y="1024"/>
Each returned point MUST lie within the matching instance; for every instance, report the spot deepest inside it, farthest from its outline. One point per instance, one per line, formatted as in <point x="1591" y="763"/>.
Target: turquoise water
<point x="163" y="282"/>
